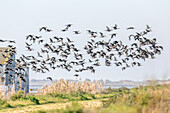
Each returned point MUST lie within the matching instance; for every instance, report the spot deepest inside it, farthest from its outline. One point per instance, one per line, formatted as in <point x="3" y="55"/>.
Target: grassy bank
<point x="148" y="99"/>
<point x="144" y="99"/>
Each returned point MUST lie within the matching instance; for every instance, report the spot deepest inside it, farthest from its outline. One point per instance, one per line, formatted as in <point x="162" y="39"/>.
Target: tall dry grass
<point x="2" y="93"/>
<point x="145" y="99"/>
<point x="159" y="101"/>
<point x="5" y="93"/>
<point x="64" y="86"/>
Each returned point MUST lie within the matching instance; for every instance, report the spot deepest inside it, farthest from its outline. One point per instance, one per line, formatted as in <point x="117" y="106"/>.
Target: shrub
<point x="7" y="105"/>
<point x="33" y="99"/>
<point x="82" y="97"/>
<point x="18" y="95"/>
<point x="4" y="104"/>
<point x="113" y="100"/>
<point x="92" y="95"/>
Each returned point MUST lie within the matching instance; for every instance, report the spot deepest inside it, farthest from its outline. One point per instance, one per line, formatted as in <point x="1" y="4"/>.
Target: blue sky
<point x="22" y="17"/>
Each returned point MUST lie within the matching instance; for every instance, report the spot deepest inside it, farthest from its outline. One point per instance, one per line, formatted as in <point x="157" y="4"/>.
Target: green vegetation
<point x="73" y="96"/>
<point x="4" y="104"/>
<point x="20" y="96"/>
<point x="143" y="99"/>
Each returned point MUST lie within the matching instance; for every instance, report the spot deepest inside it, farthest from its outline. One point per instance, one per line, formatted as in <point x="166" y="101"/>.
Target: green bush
<point x="145" y="99"/>
<point x="91" y="95"/>
<point x="19" y="95"/>
<point x="33" y="99"/>
<point x="4" y="104"/>
<point x="112" y="100"/>
<point x="82" y="97"/>
<point x="7" y="105"/>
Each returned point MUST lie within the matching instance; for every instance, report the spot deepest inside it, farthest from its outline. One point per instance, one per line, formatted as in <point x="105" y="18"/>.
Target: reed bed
<point x="6" y="93"/>
<point x="65" y="86"/>
<point x="2" y="93"/>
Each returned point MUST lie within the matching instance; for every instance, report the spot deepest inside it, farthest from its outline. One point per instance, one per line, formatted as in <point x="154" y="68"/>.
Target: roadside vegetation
<point x="143" y="99"/>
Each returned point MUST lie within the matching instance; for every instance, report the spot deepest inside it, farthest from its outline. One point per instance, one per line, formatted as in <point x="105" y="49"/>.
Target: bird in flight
<point x="43" y="28"/>
<point x="50" y="78"/>
<point x="108" y="29"/>
<point x="115" y="27"/>
<point x="130" y="28"/>
<point x="76" y="76"/>
<point x="61" y="52"/>
<point x="76" y="32"/>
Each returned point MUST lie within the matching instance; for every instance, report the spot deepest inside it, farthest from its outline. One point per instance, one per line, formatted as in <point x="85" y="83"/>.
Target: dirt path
<point x="51" y="106"/>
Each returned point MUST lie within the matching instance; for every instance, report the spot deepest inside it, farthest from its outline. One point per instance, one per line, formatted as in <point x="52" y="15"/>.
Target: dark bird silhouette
<point x="5" y="56"/>
<point x="76" y="32"/>
<point x="113" y="35"/>
<point x="63" y="30"/>
<point x="43" y="28"/>
<point x="129" y="28"/>
<point x="49" y="30"/>
<point x="2" y="40"/>
<point x="69" y="40"/>
<point x="28" y="44"/>
<point x="148" y="27"/>
<point x="40" y="41"/>
<point x="50" y="78"/>
<point x="68" y="25"/>
<point x="115" y="27"/>
<point x="29" y="36"/>
<point x="11" y="41"/>
<point x="39" y="55"/>
<point x="108" y="29"/>
<point x="76" y="75"/>
<point x="102" y="35"/>
<point x="29" y="49"/>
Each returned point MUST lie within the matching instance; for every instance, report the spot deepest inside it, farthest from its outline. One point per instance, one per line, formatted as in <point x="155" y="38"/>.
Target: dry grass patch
<point x="64" y="86"/>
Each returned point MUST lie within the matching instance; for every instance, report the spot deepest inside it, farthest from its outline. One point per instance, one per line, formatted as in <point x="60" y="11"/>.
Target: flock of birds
<point x="61" y="52"/>
<point x="122" y="55"/>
